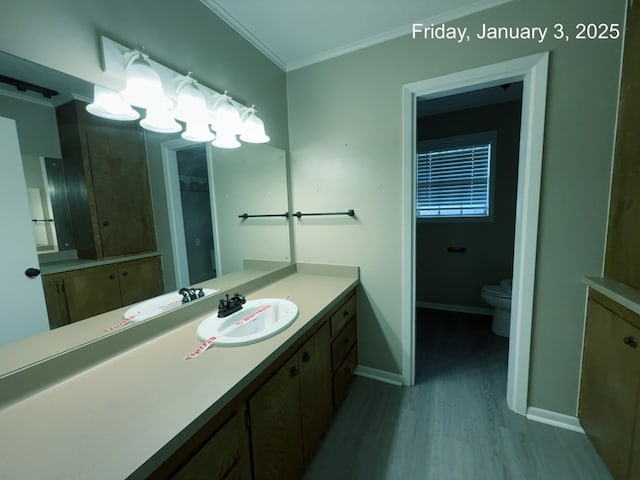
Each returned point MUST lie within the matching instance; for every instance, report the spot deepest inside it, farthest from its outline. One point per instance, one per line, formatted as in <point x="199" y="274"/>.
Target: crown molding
<point x="238" y="27"/>
<point x="461" y="12"/>
<point x="396" y="33"/>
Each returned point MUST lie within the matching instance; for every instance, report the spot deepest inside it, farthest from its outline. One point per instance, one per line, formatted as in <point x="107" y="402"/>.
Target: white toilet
<point x="499" y="297"/>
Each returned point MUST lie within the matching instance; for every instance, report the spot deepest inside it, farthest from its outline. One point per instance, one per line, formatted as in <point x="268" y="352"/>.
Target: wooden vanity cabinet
<point x="344" y="349"/>
<point x="610" y="384"/>
<point x="275" y="425"/>
<point x="83" y="293"/>
<point x="292" y="410"/>
<point x="219" y="450"/>
<point x="315" y="389"/>
<point x="288" y="407"/>
<point x="108" y="184"/>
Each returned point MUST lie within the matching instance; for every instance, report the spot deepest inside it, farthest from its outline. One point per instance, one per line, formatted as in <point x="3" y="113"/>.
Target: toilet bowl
<point x="499" y="297"/>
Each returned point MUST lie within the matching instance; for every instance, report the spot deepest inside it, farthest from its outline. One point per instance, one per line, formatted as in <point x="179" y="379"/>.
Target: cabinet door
<point x="224" y="456"/>
<point x="121" y="189"/>
<point x="276" y="436"/>
<point x="56" y="300"/>
<point x="140" y="280"/>
<point x="609" y="387"/>
<point x="92" y="291"/>
<point x="315" y="388"/>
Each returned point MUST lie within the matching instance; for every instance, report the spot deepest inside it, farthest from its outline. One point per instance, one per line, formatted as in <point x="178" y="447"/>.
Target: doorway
<point x="187" y="170"/>
<point x="532" y="71"/>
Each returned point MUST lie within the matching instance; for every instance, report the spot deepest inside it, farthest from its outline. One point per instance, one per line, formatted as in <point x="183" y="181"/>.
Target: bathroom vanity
<point x="132" y="406"/>
<point x="609" y="407"/>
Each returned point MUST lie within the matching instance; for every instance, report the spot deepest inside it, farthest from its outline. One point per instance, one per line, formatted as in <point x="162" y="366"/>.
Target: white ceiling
<point x="296" y="33"/>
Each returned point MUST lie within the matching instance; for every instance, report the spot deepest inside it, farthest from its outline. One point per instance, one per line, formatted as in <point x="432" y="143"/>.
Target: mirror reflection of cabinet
<point x="79" y="294"/>
<point x="108" y="184"/>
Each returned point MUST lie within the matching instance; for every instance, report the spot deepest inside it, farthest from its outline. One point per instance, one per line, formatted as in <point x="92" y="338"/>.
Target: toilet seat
<point x="495" y="291"/>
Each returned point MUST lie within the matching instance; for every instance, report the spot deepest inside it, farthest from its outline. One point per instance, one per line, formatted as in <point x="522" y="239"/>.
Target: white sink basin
<point x="157" y="305"/>
<point x="258" y="320"/>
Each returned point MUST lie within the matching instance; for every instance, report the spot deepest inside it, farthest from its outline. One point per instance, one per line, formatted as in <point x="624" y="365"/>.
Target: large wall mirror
<point x="198" y="191"/>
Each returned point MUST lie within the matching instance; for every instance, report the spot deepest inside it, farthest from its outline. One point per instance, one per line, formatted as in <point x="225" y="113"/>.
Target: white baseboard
<point x="553" y="418"/>
<point x="456" y="308"/>
<point x="379" y="375"/>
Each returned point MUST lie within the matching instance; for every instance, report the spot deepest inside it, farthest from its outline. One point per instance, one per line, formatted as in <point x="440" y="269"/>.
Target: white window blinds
<point x="454" y="178"/>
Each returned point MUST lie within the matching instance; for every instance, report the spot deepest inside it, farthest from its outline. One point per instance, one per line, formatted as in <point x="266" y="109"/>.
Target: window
<point x="455" y="177"/>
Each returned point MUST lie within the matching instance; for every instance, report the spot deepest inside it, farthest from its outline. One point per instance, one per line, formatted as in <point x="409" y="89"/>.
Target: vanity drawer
<point x="341" y="317"/>
<point x="342" y="376"/>
<point x="343" y="343"/>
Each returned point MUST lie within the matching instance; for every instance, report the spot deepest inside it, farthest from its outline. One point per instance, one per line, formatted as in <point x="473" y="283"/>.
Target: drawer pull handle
<point x="293" y="371"/>
<point x="112" y="276"/>
<point x="106" y="223"/>
<point x="306" y="357"/>
<point x="345" y="313"/>
<point x="125" y="273"/>
<point x="631" y="341"/>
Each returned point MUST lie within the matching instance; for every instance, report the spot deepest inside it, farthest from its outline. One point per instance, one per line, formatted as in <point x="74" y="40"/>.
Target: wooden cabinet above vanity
<point x="108" y="183"/>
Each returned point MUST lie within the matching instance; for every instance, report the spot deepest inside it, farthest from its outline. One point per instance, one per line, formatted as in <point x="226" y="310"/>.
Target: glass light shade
<point x="253" y="128"/>
<point x="191" y="106"/>
<point x="144" y="87"/>
<point x="225" y="139"/>
<point x="198" y="132"/>
<point x="226" y="115"/>
<point x="107" y="103"/>
<point x="160" y="120"/>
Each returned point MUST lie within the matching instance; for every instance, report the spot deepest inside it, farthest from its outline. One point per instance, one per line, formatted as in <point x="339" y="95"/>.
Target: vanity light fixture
<point x="226" y="116"/>
<point x="144" y="87"/>
<point x="160" y="120"/>
<point x="225" y="139"/>
<point x="107" y="103"/>
<point x="198" y="132"/>
<point x="191" y="108"/>
<point x="253" y="127"/>
<point x="152" y="86"/>
<point x="191" y="105"/>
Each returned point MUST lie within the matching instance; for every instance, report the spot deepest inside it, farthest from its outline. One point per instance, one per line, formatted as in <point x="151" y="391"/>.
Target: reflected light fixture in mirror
<point x="154" y="87"/>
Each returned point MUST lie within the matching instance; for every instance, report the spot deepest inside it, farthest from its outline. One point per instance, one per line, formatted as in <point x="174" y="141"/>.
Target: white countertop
<point x="616" y="291"/>
<point x="108" y="420"/>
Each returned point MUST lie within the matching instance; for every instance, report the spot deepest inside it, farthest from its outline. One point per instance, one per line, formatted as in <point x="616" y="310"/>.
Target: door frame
<point x="532" y="71"/>
<point x="169" y="151"/>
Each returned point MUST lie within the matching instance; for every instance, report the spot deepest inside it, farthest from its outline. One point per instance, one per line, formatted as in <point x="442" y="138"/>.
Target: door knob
<point x="631" y="341"/>
<point x="32" y="272"/>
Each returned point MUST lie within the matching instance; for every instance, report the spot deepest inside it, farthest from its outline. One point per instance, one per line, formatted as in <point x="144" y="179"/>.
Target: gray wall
<point x="456" y="278"/>
<point x="346" y="152"/>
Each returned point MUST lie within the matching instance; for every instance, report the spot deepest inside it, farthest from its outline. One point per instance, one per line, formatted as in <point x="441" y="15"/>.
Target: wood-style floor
<point x="454" y="424"/>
